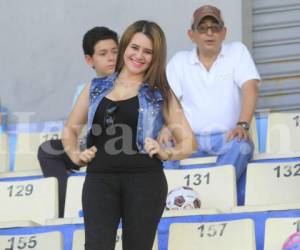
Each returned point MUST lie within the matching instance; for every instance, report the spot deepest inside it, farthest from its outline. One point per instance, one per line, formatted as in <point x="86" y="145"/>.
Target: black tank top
<point x="114" y="135"/>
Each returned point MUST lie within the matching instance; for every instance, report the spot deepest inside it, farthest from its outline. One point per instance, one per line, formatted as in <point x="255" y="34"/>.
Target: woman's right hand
<point x="165" y="137"/>
<point x="86" y="156"/>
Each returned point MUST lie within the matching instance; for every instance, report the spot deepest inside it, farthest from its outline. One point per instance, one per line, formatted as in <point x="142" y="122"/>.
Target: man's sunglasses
<point x="215" y="28"/>
<point x="109" y="116"/>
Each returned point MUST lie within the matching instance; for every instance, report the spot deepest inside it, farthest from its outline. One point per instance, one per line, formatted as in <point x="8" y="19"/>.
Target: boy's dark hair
<point x="95" y="35"/>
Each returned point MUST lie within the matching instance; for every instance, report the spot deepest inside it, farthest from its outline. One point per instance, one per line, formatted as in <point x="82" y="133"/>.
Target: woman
<point x="124" y="114"/>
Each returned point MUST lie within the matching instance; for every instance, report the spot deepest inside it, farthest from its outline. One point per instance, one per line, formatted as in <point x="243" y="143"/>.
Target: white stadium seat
<point x="216" y="186"/>
<point x="78" y="240"/>
<point x="271" y="186"/>
<point x="277" y="230"/>
<point x="283" y="133"/>
<point x="26" y="149"/>
<point x="3" y="153"/>
<point x="229" y="235"/>
<point x="38" y="241"/>
<point x="275" y="156"/>
<point x="18" y="174"/>
<point x="198" y="160"/>
<point x="31" y="200"/>
<point x="73" y="203"/>
<point x="254" y="135"/>
<point x="283" y="137"/>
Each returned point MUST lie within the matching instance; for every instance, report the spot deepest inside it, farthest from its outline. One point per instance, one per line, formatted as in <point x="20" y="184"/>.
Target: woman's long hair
<point x="155" y="75"/>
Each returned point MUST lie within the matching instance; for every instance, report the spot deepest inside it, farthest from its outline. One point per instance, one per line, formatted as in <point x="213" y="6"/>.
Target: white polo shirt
<point x="211" y="99"/>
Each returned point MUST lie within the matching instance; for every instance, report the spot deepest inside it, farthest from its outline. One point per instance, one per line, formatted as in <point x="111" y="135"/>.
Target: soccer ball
<point x="181" y="198"/>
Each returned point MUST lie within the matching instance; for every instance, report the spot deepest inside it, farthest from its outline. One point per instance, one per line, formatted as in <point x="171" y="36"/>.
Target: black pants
<point x="56" y="163"/>
<point x="136" y="198"/>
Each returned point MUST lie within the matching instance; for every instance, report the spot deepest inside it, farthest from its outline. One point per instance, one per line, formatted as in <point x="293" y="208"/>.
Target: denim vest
<point x="150" y="118"/>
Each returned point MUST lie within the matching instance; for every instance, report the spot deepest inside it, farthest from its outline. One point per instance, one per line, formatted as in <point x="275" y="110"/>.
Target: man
<point x="217" y="85"/>
<point x="100" y="47"/>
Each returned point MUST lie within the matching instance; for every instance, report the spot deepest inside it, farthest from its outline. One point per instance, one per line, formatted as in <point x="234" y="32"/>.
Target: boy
<point x="100" y="47"/>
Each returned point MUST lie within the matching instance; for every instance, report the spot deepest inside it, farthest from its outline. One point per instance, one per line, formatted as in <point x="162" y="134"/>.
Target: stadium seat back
<point x="27" y="147"/>
<point x="31" y="200"/>
<point x="254" y="135"/>
<point x="216" y="185"/>
<point x="4" y="152"/>
<point x="272" y="183"/>
<point x="233" y="235"/>
<point x="73" y="204"/>
<point x="277" y="230"/>
<point x="283" y="133"/>
<point x="79" y="238"/>
<point x="38" y="241"/>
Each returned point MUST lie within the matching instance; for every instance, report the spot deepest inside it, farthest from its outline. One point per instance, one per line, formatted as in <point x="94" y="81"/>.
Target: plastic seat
<point x="4" y="152"/>
<point x="271" y="186"/>
<point x="277" y="230"/>
<point x="229" y="235"/>
<point x="216" y="185"/>
<point x="73" y="205"/>
<point x="254" y="135"/>
<point x="21" y="174"/>
<point x="30" y="200"/>
<point x="26" y="149"/>
<point x="198" y="160"/>
<point x="283" y="133"/>
<point x="78" y="240"/>
<point x="38" y="241"/>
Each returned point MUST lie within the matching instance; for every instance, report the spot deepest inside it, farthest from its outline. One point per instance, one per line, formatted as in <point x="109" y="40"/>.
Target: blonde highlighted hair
<point x="155" y="75"/>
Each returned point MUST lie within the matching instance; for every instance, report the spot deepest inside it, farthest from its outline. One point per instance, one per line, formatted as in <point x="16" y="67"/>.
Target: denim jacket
<point x="150" y="118"/>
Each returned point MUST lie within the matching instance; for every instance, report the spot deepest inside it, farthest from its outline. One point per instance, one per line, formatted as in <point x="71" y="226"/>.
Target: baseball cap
<point x="207" y="10"/>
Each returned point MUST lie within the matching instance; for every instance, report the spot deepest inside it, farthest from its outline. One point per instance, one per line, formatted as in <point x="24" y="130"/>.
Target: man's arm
<point x="249" y="98"/>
